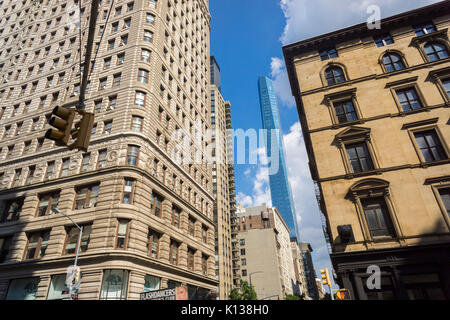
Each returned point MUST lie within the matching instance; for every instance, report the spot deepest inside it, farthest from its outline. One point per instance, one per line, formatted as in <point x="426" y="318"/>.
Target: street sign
<point x="73" y="277"/>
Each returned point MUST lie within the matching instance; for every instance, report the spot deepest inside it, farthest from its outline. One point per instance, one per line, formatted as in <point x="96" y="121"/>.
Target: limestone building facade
<point x="147" y="215"/>
<point x="374" y="110"/>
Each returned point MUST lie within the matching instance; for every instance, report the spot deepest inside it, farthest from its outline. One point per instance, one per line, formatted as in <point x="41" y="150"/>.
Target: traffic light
<point x="62" y="119"/>
<point x="325" y="277"/>
<point x="82" y="132"/>
<point x="343" y="294"/>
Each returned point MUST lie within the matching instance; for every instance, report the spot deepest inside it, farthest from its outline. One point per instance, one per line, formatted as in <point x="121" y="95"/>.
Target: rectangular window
<point x="46" y="203"/>
<point x="50" y="169"/>
<point x="5" y="243"/>
<point x="30" y="177"/>
<point x="383" y="40"/>
<point x="145" y="55"/>
<point x="446" y="85"/>
<point x="65" y="167"/>
<point x="12" y="210"/>
<point x="140" y="99"/>
<point x="150" y="18"/>
<point x="176" y="216"/>
<point x="409" y="99"/>
<point x="107" y="127"/>
<point x="155" y="204"/>
<point x="190" y="262"/>
<point x="114" y="285"/>
<point x="143" y="76"/>
<point x="128" y="190"/>
<point x="205" y="265"/>
<point x="136" y="124"/>
<point x="425" y="28"/>
<point x="101" y="162"/>
<point x="116" y="79"/>
<point x="345" y="111"/>
<point x="204" y="235"/>
<point x="173" y="257"/>
<point x="72" y="235"/>
<point x="85" y="162"/>
<point x="430" y="146"/>
<point x="58" y="289"/>
<point x="23" y="289"/>
<point x="445" y="197"/>
<point x="377" y="217"/>
<point x="122" y="234"/>
<point x="359" y="157"/>
<point x="191" y="226"/>
<point x="153" y="243"/>
<point x="151" y="283"/>
<point x="132" y="155"/>
<point x="86" y="197"/>
<point x="148" y="36"/>
<point x="328" y="54"/>
<point x="37" y="245"/>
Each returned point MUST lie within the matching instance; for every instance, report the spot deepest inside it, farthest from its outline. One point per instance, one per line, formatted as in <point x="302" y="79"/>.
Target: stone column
<point x="164" y="247"/>
<point x="182" y="255"/>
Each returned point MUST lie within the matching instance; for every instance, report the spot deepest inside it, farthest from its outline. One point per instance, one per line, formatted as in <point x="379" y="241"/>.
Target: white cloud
<point x="305" y="18"/>
<point x="281" y="82"/>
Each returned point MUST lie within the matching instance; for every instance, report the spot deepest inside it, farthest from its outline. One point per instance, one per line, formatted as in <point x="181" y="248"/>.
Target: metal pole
<point x="78" y="246"/>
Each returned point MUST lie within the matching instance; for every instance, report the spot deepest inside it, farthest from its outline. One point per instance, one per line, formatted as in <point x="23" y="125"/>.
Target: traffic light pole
<point x="78" y="244"/>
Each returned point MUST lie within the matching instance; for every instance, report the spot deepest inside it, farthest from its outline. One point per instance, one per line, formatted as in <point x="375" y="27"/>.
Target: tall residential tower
<point x="280" y="189"/>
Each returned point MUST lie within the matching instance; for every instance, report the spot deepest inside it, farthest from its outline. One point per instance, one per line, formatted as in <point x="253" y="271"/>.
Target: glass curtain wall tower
<point x="280" y="189"/>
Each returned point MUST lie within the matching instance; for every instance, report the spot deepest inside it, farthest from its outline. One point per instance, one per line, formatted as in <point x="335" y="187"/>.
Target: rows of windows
<point x="392" y="60"/>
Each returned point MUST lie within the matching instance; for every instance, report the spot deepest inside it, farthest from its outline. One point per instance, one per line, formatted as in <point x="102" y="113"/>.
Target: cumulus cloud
<point x="305" y="19"/>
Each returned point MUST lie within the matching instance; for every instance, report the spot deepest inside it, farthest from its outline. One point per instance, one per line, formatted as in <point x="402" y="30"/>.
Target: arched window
<point x="393" y="62"/>
<point x="436" y="51"/>
<point x="334" y="75"/>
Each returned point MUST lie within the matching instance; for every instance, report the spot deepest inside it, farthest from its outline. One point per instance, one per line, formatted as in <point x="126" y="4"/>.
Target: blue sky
<point x="247" y="38"/>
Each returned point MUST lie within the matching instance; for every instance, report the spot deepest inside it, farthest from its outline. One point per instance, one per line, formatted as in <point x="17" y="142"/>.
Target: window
<point x="152" y="3"/>
<point x="173" y="255"/>
<point x="155" y="204"/>
<point x="143" y="76"/>
<point x="86" y="197"/>
<point x="136" y="123"/>
<point x="46" y="202"/>
<point x="122" y="234"/>
<point x="334" y="75"/>
<point x="244" y="272"/>
<point x="107" y="127"/>
<point x="101" y="162"/>
<point x="446" y="85"/>
<point x="176" y="216"/>
<point x="244" y="262"/>
<point x="445" y="197"/>
<point x="85" y="162"/>
<point x="150" y="18"/>
<point x="121" y="57"/>
<point x="345" y="111"/>
<point x="58" y="289"/>
<point x="151" y="283"/>
<point x="116" y="79"/>
<point x="392" y="62"/>
<point x="145" y="55"/>
<point x="408" y="98"/>
<point x="107" y="63"/>
<point x="148" y="36"/>
<point x="383" y="40"/>
<point x="112" y="103"/>
<point x="140" y="99"/>
<point x="435" y="51"/>
<point x="5" y="244"/>
<point x="72" y="235"/>
<point x="102" y="84"/>
<point x="426" y="28"/>
<point x="204" y="235"/>
<point x="31" y="171"/>
<point x="359" y="157"/>
<point x="328" y="54"/>
<point x="23" y="289"/>
<point x="114" y="285"/>
<point x="37" y="244"/>
<point x="65" y="167"/>
<point x="132" y="155"/>
<point x="17" y="178"/>
<point x="128" y="191"/>
<point x="377" y="217"/>
<point x="49" y="172"/>
<point x="190" y="259"/>
<point x="153" y="243"/>
<point x="204" y="264"/>
<point x="191" y="226"/>
<point x="430" y="146"/>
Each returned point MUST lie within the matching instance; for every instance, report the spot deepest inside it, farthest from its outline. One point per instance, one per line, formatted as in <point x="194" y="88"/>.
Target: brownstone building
<point x="374" y="110"/>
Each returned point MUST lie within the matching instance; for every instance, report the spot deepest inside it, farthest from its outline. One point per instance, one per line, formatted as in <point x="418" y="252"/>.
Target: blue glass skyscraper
<point x="280" y="189"/>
